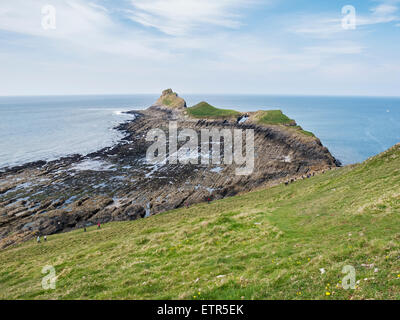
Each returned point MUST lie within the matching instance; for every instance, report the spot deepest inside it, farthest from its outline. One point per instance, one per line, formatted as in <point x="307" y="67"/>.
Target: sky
<point x="297" y="47"/>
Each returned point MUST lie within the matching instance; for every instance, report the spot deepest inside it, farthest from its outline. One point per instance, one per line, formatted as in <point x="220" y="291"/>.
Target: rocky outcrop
<point x="170" y="100"/>
<point x="117" y="183"/>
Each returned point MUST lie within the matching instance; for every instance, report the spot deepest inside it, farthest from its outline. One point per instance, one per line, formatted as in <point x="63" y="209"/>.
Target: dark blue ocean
<point x="44" y="128"/>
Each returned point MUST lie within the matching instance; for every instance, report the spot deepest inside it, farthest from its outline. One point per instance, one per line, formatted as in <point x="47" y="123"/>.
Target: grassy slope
<point x="266" y="244"/>
<point x="203" y="110"/>
<point x="206" y="111"/>
<point x="273" y="117"/>
<point x="276" y="117"/>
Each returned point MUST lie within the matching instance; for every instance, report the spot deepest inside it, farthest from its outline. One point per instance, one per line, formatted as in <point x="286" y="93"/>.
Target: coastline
<point x="115" y="184"/>
<point x="74" y="155"/>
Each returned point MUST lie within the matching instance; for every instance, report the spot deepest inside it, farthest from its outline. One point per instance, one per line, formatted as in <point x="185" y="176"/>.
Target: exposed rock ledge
<point x="117" y="183"/>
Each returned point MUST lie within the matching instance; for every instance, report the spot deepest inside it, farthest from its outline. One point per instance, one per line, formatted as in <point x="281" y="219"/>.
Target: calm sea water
<point x="44" y="128"/>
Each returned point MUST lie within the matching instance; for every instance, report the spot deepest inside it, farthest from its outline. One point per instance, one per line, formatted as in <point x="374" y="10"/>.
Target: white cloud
<point x="383" y="13"/>
<point x="337" y="49"/>
<point x="80" y="26"/>
<point x="179" y="17"/>
<point x="74" y="17"/>
<point x="384" y="9"/>
<point x="319" y="26"/>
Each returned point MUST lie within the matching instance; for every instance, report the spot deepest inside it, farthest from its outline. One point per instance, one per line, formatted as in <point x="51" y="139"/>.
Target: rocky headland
<point x="117" y="183"/>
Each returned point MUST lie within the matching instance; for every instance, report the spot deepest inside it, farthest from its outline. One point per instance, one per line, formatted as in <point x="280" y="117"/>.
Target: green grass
<point x="300" y="129"/>
<point x="307" y="133"/>
<point x="268" y="244"/>
<point x="273" y="117"/>
<point x="276" y="117"/>
<point x="203" y="110"/>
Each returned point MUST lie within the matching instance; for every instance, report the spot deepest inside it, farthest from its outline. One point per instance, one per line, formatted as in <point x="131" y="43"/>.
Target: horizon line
<point x="193" y="93"/>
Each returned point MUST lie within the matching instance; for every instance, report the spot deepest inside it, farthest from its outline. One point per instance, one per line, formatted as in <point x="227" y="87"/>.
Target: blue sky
<point x="200" y="46"/>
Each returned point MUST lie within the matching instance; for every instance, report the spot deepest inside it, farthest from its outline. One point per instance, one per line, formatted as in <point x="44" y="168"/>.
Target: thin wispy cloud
<point x="179" y="17"/>
<point x="337" y="49"/>
<point x="383" y="13"/>
<point x="73" y="17"/>
<point x="328" y="25"/>
<point x="87" y="27"/>
<point x="317" y="26"/>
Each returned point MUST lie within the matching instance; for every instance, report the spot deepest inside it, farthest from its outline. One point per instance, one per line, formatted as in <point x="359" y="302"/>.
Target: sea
<point x="49" y="127"/>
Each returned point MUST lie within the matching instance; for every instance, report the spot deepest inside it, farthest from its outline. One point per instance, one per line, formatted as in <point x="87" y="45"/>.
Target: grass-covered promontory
<point x="277" y="117"/>
<point x="273" y="117"/>
<point x="203" y="110"/>
<point x="285" y="242"/>
<point x="206" y="111"/>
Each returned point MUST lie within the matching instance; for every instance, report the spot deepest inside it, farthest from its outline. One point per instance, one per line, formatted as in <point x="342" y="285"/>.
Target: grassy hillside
<point x="273" y="117"/>
<point x="277" y="117"/>
<point x="269" y="244"/>
<point x="206" y="111"/>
